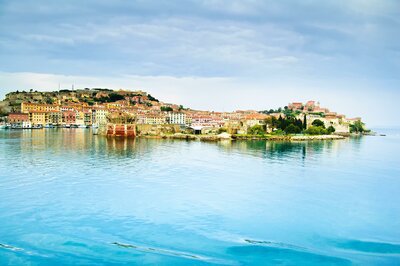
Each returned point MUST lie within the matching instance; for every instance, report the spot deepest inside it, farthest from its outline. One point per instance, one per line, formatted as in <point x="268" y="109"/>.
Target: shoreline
<point x="234" y="137"/>
<point x="215" y="138"/>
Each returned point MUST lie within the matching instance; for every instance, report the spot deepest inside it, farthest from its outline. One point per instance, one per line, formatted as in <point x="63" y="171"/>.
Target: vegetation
<point x="283" y="123"/>
<point x="316" y="130"/>
<point x="292" y="129"/>
<point x="151" y="98"/>
<point x="331" y="129"/>
<point x="166" y="109"/>
<point x="222" y="130"/>
<point x="278" y="132"/>
<point x="318" y="123"/>
<point x="272" y="111"/>
<point x="115" y="97"/>
<point x="49" y="101"/>
<point x="357" y="127"/>
<point x="256" y="130"/>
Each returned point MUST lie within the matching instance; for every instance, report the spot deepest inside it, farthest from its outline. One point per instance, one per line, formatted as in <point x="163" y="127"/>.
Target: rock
<point x="224" y="135"/>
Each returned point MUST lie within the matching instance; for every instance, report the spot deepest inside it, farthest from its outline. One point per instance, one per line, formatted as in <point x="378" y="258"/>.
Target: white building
<point x="99" y="116"/>
<point x="176" y="118"/>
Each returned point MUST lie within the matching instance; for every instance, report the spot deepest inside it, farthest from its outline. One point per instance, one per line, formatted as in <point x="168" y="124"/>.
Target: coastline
<point x="222" y="137"/>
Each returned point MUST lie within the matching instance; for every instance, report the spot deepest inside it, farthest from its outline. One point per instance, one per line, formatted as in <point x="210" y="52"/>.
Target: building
<point x="37" y="118"/>
<point x="88" y="118"/>
<point x="295" y="106"/>
<point x="155" y="119"/>
<point x="69" y="118"/>
<point x="33" y="107"/>
<point x="19" y="120"/>
<point x="99" y="116"/>
<point x="80" y="118"/>
<point x="176" y="118"/>
<point x="54" y="118"/>
<point x="255" y="119"/>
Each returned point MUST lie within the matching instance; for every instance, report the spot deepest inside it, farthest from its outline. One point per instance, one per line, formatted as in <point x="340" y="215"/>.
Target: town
<point x="108" y="109"/>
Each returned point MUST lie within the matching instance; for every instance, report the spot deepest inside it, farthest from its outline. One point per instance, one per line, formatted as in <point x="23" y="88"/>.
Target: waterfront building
<point x="80" y="119"/>
<point x="33" y="107"/>
<point x="99" y="115"/>
<point x="69" y="118"/>
<point x="88" y="118"/>
<point x="54" y="118"/>
<point x="37" y="118"/>
<point x="176" y="118"/>
<point x="155" y="119"/>
<point x="255" y="119"/>
<point x="19" y="120"/>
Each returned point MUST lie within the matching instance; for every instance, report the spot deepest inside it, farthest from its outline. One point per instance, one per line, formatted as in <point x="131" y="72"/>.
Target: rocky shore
<point x="226" y="136"/>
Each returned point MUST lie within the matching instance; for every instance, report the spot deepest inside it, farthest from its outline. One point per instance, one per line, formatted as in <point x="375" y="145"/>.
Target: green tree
<point x="315" y="130"/>
<point x="49" y="101"/>
<point x="318" y="123"/>
<point x="357" y="127"/>
<point x="305" y="122"/>
<point x="256" y="130"/>
<point x="292" y="129"/>
<point x="331" y="129"/>
<point x="166" y="109"/>
<point x="221" y="130"/>
<point x="151" y="98"/>
<point x="113" y="97"/>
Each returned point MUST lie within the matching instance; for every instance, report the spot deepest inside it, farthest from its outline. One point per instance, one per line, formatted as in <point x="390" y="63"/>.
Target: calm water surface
<point x="68" y="197"/>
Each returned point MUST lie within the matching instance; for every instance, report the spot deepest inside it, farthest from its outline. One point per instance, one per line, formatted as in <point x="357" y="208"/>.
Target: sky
<point x="221" y="55"/>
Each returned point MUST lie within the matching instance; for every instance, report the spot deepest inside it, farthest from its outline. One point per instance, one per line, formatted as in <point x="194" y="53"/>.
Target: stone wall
<point x="157" y="130"/>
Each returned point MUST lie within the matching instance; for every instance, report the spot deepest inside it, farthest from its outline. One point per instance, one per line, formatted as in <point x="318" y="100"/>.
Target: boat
<point x="95" y="129"/>
<point x="81" y="126"/>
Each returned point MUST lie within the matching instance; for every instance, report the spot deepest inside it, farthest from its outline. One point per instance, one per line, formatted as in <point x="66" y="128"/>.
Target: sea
<point x="68" y="197"/>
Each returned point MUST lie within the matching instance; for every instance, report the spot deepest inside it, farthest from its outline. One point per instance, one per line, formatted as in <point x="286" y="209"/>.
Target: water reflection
<point x="68" y="194"/>
<point x="280" y="149"/>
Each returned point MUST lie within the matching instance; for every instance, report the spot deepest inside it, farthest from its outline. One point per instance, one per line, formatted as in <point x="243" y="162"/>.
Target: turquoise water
<point x="68" y="197"/>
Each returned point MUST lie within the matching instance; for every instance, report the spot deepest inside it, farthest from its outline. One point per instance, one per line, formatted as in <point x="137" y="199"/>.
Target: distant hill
<point x="13" y="100"/>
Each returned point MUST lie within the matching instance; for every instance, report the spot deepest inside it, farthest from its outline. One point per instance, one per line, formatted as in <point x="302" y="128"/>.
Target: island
<point x="126" y="113"/>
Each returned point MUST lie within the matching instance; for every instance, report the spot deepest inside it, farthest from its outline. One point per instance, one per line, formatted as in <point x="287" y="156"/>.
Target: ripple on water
<point x="368" y="246"/>
<point x="174" y="253"/>
<point x="264" y="254"/>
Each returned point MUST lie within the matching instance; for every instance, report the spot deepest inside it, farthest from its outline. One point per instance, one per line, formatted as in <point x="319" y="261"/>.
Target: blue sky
<point x="211" y="54"/>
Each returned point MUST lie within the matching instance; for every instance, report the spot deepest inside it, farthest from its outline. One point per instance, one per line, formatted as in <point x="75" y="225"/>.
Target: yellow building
<point x="53" y="118"/>
<point x="154" y="119"/>
<point x="33" y="107"/>
<point x="37" y="118"/>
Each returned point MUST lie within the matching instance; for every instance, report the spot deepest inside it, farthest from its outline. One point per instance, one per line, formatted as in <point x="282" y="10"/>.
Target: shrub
<point x="278" y="132"/>
<point x="256" y="130"/>
<point x="314" y="130"/>
<point x="357" y="127"/>
<point x="292" y="129"/>
<point x="221" y="130"/>
<point x="318" y="123"/>
<point x="331" y="129"/>
<point x="115" y="97"/>
<point x="166" y="109"/>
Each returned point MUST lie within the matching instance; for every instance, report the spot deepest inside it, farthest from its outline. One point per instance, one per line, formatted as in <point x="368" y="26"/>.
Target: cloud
<point x="285" y="46"/>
